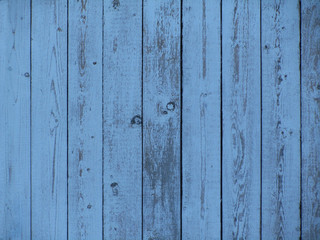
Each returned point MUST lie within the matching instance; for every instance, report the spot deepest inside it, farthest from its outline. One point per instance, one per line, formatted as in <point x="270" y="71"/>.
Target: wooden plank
<point x="241" y="119"/>
<point x="122" y="120"/>
<point x="310" y="118"/>
<point x="49" y="119"/>
<point x="280" y="120"/>
<point x="161" y="119"/>
<point x="201" y="120"/>
<point x="85" y="120"/>
<point x="15" y="119"/>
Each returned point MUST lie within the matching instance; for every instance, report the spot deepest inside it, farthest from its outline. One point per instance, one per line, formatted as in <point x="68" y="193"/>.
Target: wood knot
<point x="171" y="106"/>
<point x="136" y="120"/>
<point x="114" y="187"/>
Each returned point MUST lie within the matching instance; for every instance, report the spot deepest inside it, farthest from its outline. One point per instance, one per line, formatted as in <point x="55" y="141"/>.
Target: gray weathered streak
<point x="161" y="119"/>
<point x="122" y="120"/>
<point x="49" y="119"/>
<point x="201" y="120"/>
<point x="280" y="120"/>
<point x="310" y="118"/>
<point x="85" y="120"/>
<point x="15" y="119"/>
<point x="241" y="119"/>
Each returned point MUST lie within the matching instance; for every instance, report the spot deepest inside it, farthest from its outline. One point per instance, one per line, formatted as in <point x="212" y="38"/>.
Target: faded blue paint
<point x="159" y="119"/>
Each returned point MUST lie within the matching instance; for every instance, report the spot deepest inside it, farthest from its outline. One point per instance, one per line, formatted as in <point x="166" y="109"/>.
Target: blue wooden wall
<point x="159" y="119"/>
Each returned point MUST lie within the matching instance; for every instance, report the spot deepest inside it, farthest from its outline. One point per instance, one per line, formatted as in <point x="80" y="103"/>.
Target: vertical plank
<point x="201" y="120"/>
<point x="49" y="119"/>
<point x="15" y="119"/>
<point x="241" y="119"/>
<point x="161" y="119"/>
<point x="85" y="120"/>
<point x="122" y="119"/>
<point x="280" y="120"/>
<point x="310" y="118"/>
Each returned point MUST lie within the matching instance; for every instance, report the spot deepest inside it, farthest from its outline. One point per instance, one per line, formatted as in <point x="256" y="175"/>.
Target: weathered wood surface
<point x="310" y="118"/>
<point x="241" y="119"/>
<point x="85" y="120"/>
<point x="15" y="79"/>
<point x="49" y="119"/>
<point x="161" y="119"/>
<point x="280" y="120"/>
<point x="122" y="120"/>
<point x="201" y="120"/>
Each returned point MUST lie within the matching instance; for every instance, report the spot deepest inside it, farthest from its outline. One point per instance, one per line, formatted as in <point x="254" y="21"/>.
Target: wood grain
<point x="161" y="119"/>
<point x="310" y="118"/>
<point x="201" y="120"/>
<point x="280" y="120"/>
<point x="49" y="119"/>
<point x="241" y="119"/>
<point x="15" y="119"/>
<point x="122" y="120"/>
<point x="85" y="120"/>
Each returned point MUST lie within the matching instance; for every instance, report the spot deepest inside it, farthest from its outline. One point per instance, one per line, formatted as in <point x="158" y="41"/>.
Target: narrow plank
<point x="280" y="120"/>
<point x="201" y="120"/>
<point x="49" y="119"/>
<point x="310" y="118"/>
<point x="15" y="119"/>
<point x="85" y="120"/>
<point x="241" y="119"/>
<point x="161" y="119"/>
<point x="122" y="120"/>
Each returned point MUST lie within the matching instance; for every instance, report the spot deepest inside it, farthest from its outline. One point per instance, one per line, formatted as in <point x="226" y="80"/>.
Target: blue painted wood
<point x="15" y="78"/>
<point x="98" y="97"/>
<point x="310" y="116"/>
<point x="201" y="120"/>
<point x="280" y="120"/>
<point x="49" y="119"/>
<point x="241" y="119"/>
<point x="161" y="119"/>
<point x="122" y="120"/>
<point x="85" y="120"/>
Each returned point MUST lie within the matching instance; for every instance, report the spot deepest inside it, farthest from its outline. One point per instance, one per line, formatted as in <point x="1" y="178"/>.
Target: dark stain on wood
<point x="83" y="5"/>
<point x="115" y="188"/>
<point x="82" y="54"/>
<point x="115" y="4"/>
<point x="204" y="40"/>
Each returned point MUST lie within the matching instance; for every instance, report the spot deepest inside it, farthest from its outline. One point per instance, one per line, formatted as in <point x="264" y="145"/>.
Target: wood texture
<point x="310" y="118"/>
<point x="280" y="120"/>
<point x="49" y="119"/>
<point x="122" y="120"/>
<point x="241" y="119"/>
<point x="201" y="120"/>
<point x="161" y="119"/>
<point x="15" y="120"/>
<point x="85" y="120"/>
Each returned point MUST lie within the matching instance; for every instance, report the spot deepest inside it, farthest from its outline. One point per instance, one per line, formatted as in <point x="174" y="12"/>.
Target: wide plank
<point x="241" y="119"/>
<point x="15" y="79"/>
<point x="49" y="119"/>
<point x="85" y="120"/>
<point x="161" y="119"/>
<point x="201" y="142"/>
<point x="122" y="115"/>
<point x="280" y="120"/>
<point x="310" y="118"/>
